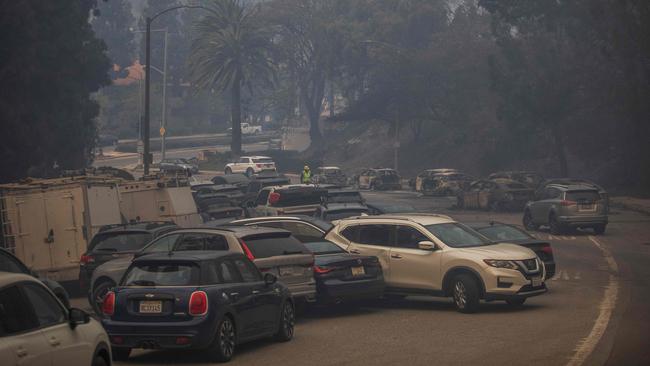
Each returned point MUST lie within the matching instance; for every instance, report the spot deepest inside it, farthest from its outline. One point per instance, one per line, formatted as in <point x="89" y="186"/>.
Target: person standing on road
<point x="305" y="177"/>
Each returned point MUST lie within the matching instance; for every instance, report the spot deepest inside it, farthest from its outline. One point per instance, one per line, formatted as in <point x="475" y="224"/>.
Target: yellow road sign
<point x="162" y="131"/>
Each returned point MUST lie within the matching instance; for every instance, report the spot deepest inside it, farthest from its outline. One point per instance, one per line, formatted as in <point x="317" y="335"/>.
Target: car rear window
<point x="582" y="196"/>
<point x="342" y="214"/>
<point x="324" y="247"/>
<point x="119" y="242"/>
<point x="298" y="197"/>
<point x="264" y="246"/>
<point x="162" y="274"/>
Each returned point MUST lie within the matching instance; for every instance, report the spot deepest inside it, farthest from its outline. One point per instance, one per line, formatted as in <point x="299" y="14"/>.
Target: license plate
<point x="151" y="307"/>
<point x="586" y="207"/>
<point x="536" y="282"/>
<point x="358" y="271"/>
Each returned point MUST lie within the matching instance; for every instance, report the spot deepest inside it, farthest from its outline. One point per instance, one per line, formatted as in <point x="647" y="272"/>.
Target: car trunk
<point x="153" y="304"/>
<point x="584" y="203"/>
<point x="348" y="267"/>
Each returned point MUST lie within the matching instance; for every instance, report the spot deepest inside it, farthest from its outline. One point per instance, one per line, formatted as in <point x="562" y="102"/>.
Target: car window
<point x="503" y="232"/>
<point x="243" y="161"/>
<point x="408" y="237"/>
<point x="351" y="233"/>
<point x="262" y="197"/>
<point x="202" y="242"/>
<point x="247" y="270"/>
<point x="375" y="234"/>
<point x="301" y="231"/>
<point x="16" y="314"/>
<point x="162" y="274"/>
<point x="119" y="242"/>
<point x="162" y="244"/>
<point x="552" y="193"/>
<point x="229" y="273"/>
<point x="9" y="264"/>
<point x="47" y="308"/>
<point x="582" y="196"/>
<point x="270" y="245"/>
<point x="324" y="247"/>
<point x="457" y="235"/>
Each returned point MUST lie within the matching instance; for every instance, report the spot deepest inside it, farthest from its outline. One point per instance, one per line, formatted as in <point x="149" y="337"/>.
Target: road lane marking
<point x="577" y="276"/>
<point x="565" y="276"/>
<point x="587" y="345"/>
<point x="557" y="276"/>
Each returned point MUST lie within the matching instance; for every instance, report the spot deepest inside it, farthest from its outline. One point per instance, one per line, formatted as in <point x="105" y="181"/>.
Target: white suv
<point x="424" y="254"/>
<point x="250" y="165"/>
<point x="35" y="328"/>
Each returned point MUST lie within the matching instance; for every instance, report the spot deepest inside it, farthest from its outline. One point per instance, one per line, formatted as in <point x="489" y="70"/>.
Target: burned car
<point x="379" y="179"/>
<point x="218" y="209"/>
<point x="329" y="175"/>
<point x="445" y="184"/>
<point x="496" y="195"/>
<point x="416" y="184"/>
<point x="529" y="178"/>
<point x="337" y="204"/>
<point x="208" y="189"/>
<point x="238" y="180"/>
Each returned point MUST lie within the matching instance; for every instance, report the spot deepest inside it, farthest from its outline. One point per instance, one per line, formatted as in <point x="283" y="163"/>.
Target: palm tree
<point x="231" y="50"/>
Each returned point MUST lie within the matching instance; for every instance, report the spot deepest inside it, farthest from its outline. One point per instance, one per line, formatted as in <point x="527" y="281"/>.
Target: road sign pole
<point x="163" y="125"/>
<point x="147" y="87"/>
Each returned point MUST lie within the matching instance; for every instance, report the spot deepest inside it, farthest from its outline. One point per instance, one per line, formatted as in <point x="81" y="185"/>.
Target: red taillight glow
<point x="274" y="198"/>
<point x="547" y="249"/>
<point x="108" y="305"/>
<point x="85" y="259"/>
<point x="198" y="303"/>
<point x="568" y="203"/>
<point x="322" y="270"/>
<point x="247" y="251"/>
<point x="117" y="339"/>
<point x="183" y="340"/>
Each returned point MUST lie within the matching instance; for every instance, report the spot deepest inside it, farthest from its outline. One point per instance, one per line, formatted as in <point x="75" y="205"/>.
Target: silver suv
<point x="561" y="207"/>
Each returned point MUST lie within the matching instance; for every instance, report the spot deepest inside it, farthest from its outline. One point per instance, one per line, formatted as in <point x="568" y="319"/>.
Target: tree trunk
<point x="235" y="116"/>
<point x="560" y="150"/>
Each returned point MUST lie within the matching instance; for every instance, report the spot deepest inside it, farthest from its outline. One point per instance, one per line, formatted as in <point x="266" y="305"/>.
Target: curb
<point x="630" y="206"/>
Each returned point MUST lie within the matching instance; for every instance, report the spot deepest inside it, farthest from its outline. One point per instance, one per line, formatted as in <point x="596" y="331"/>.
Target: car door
<point x="21" y="341"/>
<point x="374" y="240"/>
<point x="67" y="346"/>
<point x="541" y="208"/>
<point x="266" y="298"/>
<point x="241" y="298"/>
<point x="411" y="267"/>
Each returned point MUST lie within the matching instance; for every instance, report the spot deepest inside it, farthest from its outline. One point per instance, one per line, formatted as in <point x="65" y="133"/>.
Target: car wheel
<point x="98" y="294"/>
<point x="223" y="347"/>
<point x="528" y="222"/>
<point x="98" y="360"/>
<point x="515" y="302"/>
<point x="466" y="294"/>
<point x="120" y="354"/>
<point x="554" y="226"/>
<point x="600" y="229"/>
<point x="249" y="172"/>
<point x="228" y="171"/>
<point x="287" y="323"/>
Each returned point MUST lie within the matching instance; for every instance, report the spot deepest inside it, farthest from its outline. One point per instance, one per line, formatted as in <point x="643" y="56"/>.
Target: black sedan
<point x="341" y="276"/>
<point x="498" y="231"/>
<point x="196" y="300"/>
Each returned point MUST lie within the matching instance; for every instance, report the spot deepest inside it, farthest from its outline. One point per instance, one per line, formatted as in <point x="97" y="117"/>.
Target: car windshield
<point x="271" y="245"/>
<point x="162" y="274"/>
<point x="323" y="247"/>
<point x="503" y="232"/>
<point x="457" y="235"/>
<point x="342" y="214"/>
<point x="119" y="241"/>
<point x="582" y="196"/>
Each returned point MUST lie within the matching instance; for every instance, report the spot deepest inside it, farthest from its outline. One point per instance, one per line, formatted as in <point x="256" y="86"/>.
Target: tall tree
<point x="113" y="22"/>
<point x="232" y="50"/>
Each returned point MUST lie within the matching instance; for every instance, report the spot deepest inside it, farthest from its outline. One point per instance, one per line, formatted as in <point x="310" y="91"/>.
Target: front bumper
<point x="583" y="221"/>
<point x="198" y="331"/>
<point x="339" y="290"/>
<point x="503" y="284"/>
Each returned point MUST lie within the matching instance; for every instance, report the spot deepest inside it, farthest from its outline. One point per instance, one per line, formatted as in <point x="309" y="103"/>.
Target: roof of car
<point x="328" y="167"/>
<point x="420" y="218"/>
<point x="304" y="218"/>
<point x="240" y="230"/>
<point x="189" y="255"/>
<point x="7" y="278"/>
<point x="574" y="187"/>
<point x="256" y="157"/>
<point x="344" y="206"/>
<point x="294" y="186"/>
<point x="484" y="224"/>
<point x="149" y="226"/>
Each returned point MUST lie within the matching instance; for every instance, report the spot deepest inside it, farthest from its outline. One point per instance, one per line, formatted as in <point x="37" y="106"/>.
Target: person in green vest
<point x="305" y="177"/>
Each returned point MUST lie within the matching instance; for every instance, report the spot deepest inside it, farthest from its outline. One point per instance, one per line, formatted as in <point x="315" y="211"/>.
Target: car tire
<point x="287" y="323"/>
<point x="120" y="354"/>
<point x="98" y="292"/>
<point x="554" y="226"/>
<point x="227" y="171"/>
<point x="223" y="345"/>
<point x="528" y="221"/>
<point x="465" y="293"/>
<point x="600" y="229"/>
<point x="98" y="360"/>
<point x="250" y="172"/>
<point x="516" y="302"/>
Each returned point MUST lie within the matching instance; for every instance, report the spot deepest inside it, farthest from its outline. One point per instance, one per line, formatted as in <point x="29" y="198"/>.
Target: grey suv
<point x="562" y="207"/>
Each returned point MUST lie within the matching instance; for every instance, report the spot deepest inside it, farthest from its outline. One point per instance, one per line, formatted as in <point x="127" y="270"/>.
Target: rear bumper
<point x="199" y="333"/>
<point x="578" y="221"/>
<point x="335" y="290"/>
<point x="303" y="290"/>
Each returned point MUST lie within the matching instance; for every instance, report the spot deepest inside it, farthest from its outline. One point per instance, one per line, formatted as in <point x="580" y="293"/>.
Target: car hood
<point x="503" y="251"/>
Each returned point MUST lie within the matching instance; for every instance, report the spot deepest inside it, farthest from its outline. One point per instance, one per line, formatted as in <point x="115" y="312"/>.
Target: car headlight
<point x="498" y="263"/>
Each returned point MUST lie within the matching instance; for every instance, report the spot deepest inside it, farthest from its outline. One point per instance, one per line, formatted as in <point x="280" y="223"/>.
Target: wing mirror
<point x="426" y="245"/>
<point x="77" y="317"/>
<point x="269" y="279"/>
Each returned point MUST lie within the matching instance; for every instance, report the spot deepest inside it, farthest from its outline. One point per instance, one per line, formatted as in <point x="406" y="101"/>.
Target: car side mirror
<point x="77" y="317"/>
<point x="426" y="245"/>
<point x="269" y="279"/>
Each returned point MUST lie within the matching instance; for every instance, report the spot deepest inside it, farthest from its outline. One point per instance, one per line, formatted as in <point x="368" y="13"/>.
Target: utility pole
<point x="163" y="124"/>
<point x="147" y="87"/>
<point x="396" y="142"/>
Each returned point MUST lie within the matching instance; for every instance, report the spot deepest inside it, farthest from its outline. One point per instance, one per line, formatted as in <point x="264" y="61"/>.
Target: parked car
<point x="210" y="301"/>
<point x="37" y="329"/>
<point x="329" y="175"/>
<point x="218" y="209"/>
<point x="342" y="276"/>
<point x="10" y="263"/>
<point x="529" y="178"/>
<point x="426" y="254"/>
<point x="422" y="176"/>
<point x="296" y="199"/>
<point x="495" y="195"/>
<point x="240" y="181"/>
<point x="385" y="207"/>
<point x="250" y="165"/>
<point x="112" y="242"/>
<point x="272" y="250"/>
<point x="445" y="184"/>
<point x="304" y="228"/>
<point x="337" y="211"/>
<point x="261" y="181"/>
<point x="500" y="232"/>
<point x="561" y="207"/>
<point x="379" y="179"/>
<point x="178" y="166"/>
<point x="604" y="196"/>
<point x="203" y="189"/>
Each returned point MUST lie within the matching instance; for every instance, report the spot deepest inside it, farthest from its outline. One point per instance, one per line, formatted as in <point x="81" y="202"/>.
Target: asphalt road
<point x="596" y="312"/>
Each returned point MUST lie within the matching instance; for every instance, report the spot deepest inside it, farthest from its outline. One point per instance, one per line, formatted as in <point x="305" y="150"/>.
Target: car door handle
<point x="54" y="342"/>
<point x="355" y="251"/>
<point x="21" y="352"/>
<point x="396" y="256"/>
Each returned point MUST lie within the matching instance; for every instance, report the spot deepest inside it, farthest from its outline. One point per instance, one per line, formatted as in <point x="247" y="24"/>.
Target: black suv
<point x="114" y="241"/>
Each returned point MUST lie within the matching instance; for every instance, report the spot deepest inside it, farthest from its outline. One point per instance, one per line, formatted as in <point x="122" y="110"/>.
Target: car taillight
<point x="274" y="198"/>
<point x="547" y="249"/>
<point x="247" y="251"/>
<point x="568" y="203"/>
<point x="85" y="259"/>
<point x="198" y="303"/>
<point x="108" y="305"/>
<point x="322" y="270"/>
